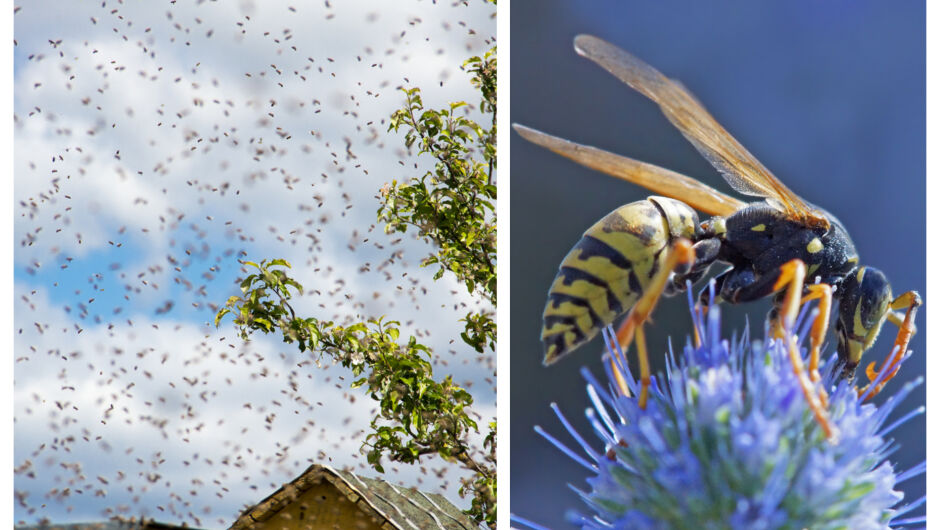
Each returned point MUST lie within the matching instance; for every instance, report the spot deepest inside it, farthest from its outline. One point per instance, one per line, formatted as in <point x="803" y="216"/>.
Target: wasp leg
<point x="910" y="301"/>
<point x="744" y="285"/>
<point x="642" y="354"/>
<point x="823" y="293"/>
<point x="680" y="254"/>
<point x="791" y="275"/>
<point x="704" y="296"/>
<point x="898" y="320"/>
<point x="706" y="252"/>
<point x="773" y="317"/>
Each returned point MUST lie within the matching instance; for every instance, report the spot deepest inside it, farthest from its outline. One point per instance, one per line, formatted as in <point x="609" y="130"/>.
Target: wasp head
<point x="863" y="306"/>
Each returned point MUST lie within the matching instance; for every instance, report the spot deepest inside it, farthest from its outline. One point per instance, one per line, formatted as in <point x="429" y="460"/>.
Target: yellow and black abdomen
<point x="607" y="271"/>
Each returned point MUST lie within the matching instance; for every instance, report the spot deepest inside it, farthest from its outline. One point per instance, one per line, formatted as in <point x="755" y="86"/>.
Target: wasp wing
<point x="654" y="178"/>
<point x="739" y="167"/>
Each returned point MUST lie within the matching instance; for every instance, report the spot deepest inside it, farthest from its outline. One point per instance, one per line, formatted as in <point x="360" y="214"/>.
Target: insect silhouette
<point x="642" y="250"/>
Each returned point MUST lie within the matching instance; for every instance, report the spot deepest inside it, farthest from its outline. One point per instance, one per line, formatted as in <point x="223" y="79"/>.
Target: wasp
<point x="645" y="249"/>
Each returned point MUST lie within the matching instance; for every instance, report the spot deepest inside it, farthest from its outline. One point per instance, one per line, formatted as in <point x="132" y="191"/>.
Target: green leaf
<point x="218" y="316"/>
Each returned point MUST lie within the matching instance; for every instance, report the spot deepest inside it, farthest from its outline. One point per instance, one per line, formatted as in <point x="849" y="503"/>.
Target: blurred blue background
<point x="830" y="96"/>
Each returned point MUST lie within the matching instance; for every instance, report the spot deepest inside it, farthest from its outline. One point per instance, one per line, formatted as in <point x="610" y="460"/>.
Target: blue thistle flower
<point x="728" y="441"/>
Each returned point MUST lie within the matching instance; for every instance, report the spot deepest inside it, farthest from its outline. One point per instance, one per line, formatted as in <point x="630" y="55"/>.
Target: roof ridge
<point x="409" y="499"/>
<point x="393" y="505"/>
<point x="369" y="501"/>
<point x="443" y="511"/>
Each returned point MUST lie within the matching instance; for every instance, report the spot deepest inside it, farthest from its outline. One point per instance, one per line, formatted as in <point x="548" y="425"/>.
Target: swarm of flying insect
<point x="625" y="261"/>
<point x="158" y="144"/>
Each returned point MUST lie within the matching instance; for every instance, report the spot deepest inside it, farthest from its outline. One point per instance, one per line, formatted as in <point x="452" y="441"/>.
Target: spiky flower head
<point x="728" y="441"/>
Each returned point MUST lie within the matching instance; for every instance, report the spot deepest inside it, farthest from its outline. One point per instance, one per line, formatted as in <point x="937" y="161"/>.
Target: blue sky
<point x="155" y="146"/>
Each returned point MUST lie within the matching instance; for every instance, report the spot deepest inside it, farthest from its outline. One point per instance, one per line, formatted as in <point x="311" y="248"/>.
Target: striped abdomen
<point x="608" y="269"/>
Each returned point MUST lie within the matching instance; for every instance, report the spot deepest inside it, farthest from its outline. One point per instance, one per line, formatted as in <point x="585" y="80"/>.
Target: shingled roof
<point x="389" y="506"/>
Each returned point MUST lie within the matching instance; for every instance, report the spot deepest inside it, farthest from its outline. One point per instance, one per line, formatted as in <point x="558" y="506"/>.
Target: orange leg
<point x="679" y="253"/>
<point x="644" y="358"/>
<point x="793" y="273"/>
<point x="823" y="293"/>
<point x="909" y="300"/>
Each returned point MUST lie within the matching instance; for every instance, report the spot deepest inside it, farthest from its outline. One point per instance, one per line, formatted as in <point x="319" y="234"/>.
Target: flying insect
<point x="642" y="250"/>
